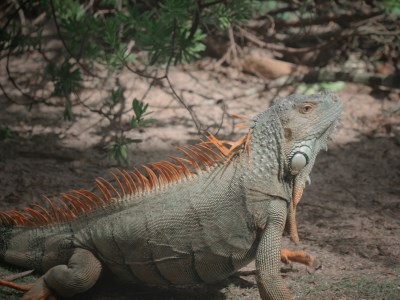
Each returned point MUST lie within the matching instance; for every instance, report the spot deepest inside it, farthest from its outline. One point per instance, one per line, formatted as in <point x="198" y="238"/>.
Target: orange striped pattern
<point x="153" y="175"/>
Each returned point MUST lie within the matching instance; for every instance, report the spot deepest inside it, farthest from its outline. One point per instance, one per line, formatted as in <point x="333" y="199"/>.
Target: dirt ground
<point x="349" y="217"/>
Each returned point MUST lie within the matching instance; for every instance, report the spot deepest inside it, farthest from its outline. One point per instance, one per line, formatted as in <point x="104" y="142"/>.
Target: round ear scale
<point x="299" y="159"/>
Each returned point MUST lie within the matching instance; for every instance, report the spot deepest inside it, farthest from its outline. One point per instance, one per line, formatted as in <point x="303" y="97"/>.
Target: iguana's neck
<point x="267" y="161"/>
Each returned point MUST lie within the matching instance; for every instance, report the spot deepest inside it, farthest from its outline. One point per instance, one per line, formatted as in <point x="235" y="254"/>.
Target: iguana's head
<point x="306" y="122"/>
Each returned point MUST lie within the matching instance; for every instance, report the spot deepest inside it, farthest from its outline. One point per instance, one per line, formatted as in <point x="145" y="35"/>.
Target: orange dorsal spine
<point x="155" y="175"/>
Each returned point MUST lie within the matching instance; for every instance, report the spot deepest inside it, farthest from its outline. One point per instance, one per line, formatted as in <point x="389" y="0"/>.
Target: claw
<point x="33" y="291"/>
<point x="16" y="286"/>
<point x="39" y="291"/>
<point x="301" y="257"/>
<point x="315" y="265"/>
<point x="12" y="277"/>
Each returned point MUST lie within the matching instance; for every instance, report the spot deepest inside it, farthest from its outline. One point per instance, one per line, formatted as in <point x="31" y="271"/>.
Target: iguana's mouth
<point x="306" y="150"/>
<point x="330" y="129"/>
<point x="323" y="137"/>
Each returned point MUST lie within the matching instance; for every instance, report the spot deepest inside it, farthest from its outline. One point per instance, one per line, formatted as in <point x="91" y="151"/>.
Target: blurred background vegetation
<point x="284" y="42"/>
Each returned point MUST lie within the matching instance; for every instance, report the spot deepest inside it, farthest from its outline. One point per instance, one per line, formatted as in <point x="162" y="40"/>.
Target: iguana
<point x="185" y="220"/>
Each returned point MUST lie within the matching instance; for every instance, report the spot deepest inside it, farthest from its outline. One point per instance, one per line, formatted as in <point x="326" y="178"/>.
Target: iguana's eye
<point x="306" y="108"/>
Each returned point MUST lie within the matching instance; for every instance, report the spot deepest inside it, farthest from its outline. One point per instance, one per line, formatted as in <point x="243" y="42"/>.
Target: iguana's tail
<point x="38" y="248"/>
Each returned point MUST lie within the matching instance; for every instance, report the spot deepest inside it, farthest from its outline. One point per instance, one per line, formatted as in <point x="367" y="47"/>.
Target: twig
<point x="231" y="55"/>
<point x="326" y="19"/>
<point x="205" y="5"/>
<point x="148" y="90"/>
<point x="254" y="39"/>
<point x="53" y="12"/>
<point x="16" y="276"/>
<point x="89" y="5"/>
<point x="196" y="20"/>
<point x="224" y="112"/>
<point x="14" y="14"/>
<point x="172" y="49"/>
<point x="278" y="11"/>
<point x="97" y="111"/>
<point x="180" y="99"/>
<point x="21" y="17"/>
<point x="142" y="74"/>
<point x="14" y="83"/>
<point x="392" y="81"/>
<point x="39" y="19"/>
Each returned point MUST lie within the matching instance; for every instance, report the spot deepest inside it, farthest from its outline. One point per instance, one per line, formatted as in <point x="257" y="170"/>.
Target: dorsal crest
<point x="146" y="178"/>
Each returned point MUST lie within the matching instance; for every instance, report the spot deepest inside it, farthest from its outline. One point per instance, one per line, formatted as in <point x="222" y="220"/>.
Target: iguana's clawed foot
<point x="34" y="291"/>
<point x="302" y="257"/>
<point x="13" y="285"/>
<point x="39" y="291"/>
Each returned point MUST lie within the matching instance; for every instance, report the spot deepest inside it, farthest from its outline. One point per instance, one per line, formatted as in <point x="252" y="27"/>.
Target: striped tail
<point x="38" y="248"/>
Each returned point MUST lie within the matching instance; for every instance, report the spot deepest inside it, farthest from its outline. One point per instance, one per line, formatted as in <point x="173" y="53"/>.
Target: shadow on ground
<point x="353" y="204"/>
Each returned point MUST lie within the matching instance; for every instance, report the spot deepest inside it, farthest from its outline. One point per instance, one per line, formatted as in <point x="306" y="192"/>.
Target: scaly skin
<point x="200" y="228"/>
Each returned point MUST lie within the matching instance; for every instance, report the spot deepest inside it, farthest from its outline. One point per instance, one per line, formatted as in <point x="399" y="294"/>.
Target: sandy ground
<point x="349" y="217"/>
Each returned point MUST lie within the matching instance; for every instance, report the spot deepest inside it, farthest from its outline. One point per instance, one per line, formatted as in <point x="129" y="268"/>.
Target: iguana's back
<point x="192" y="231"/>
<point x="198" y="230"/>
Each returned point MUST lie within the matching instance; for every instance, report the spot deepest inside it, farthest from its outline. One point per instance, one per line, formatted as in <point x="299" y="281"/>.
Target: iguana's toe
<point x="288" y="256"/>
<point x="39" y="291"/>
<point x="313" y="265"/>
<point x="13" y="285"/>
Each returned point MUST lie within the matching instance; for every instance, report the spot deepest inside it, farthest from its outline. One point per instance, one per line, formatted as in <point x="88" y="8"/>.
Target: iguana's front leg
<point x="78" y="276"/>
<point x="292" y="223"/>
<point x="268" y="257"/>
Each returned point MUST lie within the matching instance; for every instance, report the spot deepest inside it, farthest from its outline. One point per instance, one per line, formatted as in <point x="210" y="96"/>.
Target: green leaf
<point x="117" y="96"/>
<point x="6" y="133"/>
<point x="134" y="123"/>
<point x="145" y="122"/>
<point x="123" y="153"/>
<point x="66" y="79"/>
<point x="68" y="116"/>
<point x="140" y="111"/>
<point x="119" y="149"/>
<point x="139" y="108"/>
<point x="309" y="89"/>
<point x="392" y="6"/>
<point x="69" y="10"/>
